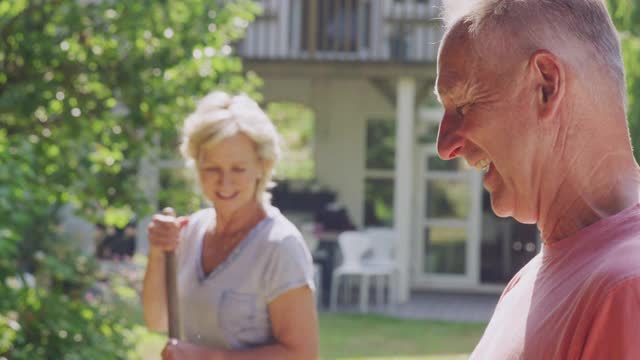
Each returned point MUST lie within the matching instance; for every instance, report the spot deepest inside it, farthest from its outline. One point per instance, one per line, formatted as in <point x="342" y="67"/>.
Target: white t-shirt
<point x="228" y="307"/>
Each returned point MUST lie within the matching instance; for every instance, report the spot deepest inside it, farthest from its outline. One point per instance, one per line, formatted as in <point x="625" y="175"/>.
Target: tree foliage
<point x="85" y="87"/>
<point x="295" y="124"/>
<point x="626" y="17"/>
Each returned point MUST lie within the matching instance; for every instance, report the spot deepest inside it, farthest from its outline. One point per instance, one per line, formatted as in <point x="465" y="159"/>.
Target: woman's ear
<point x="550" y="83"/>
<point x="266" y="167"/>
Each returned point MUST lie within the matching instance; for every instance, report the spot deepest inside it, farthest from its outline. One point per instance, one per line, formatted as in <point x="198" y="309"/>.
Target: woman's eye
<point x="238" y="170"/>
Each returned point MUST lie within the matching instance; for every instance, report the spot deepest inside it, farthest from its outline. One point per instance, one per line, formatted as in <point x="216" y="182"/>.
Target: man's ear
<point x="550" y="80"/>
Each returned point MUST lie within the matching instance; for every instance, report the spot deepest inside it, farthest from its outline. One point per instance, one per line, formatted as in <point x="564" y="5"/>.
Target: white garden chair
<point x="310" y="238"/>
<point x="383" y="241"/>
<point x="354" y="245"/>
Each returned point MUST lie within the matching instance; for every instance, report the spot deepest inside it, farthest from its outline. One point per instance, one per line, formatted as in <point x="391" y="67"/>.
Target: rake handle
<point x="172" y="288"/>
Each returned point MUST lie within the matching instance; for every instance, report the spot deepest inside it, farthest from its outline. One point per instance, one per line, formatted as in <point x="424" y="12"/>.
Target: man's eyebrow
<point x="437" y="94"/>
<point x="447" y="89"/>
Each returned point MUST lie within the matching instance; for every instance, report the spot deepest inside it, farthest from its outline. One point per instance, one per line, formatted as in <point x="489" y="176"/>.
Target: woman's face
<point x="229" y="172"/>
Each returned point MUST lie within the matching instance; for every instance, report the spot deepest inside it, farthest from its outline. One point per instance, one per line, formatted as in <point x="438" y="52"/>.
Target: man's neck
<point x="582" y="199"/>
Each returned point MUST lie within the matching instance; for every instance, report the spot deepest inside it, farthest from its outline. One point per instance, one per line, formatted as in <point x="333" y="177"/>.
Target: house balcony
<point x="373" y="33"/>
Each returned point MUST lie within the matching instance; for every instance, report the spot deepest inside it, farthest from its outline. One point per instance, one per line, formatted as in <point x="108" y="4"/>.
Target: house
<point x="366" y="68"/>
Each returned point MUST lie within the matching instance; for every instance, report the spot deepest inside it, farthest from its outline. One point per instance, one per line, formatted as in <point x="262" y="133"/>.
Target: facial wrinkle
<point x="590" y="211"/>
<point x="561" y="221"/>
<point x="545" y="221"/>
<point x="596" y="195"/>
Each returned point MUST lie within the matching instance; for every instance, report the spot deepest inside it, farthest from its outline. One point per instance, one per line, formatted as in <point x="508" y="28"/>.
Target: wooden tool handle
<point x="175" y="331"/>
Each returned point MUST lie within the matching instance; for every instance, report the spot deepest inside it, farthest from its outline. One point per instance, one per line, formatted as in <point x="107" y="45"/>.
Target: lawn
<point x="355" y="337"/>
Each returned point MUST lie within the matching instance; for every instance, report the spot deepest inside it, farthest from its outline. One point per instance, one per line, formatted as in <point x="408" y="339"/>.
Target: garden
<point x="88" y="91"/>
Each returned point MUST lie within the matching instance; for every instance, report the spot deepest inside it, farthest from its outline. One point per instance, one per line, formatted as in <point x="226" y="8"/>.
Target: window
<point x="342" y="25"/>
<point x="445" y="250"/>
<point x="379" y="174"/>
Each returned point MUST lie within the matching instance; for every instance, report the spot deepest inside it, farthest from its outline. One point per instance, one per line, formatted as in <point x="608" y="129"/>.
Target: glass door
<point x="448" y="227"/>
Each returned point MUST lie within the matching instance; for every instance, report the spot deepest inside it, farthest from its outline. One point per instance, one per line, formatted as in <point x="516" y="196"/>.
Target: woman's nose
<point x="224" y="179"/>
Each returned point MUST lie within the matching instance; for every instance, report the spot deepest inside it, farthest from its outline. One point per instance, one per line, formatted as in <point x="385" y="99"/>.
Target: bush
<point x="65" y="316"/>
<point x="85" y="88"/>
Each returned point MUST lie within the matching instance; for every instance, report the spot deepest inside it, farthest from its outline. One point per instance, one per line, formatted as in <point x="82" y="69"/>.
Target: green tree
<point x="85" y="87"/>
<point x="295" y="124"/>
<point x="626" y="17"/>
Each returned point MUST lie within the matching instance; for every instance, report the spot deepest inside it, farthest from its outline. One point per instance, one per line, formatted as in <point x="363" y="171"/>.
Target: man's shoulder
<point x="620" y="260"/>
<point x="613" y="262"/>
<point x="530" y="268"/>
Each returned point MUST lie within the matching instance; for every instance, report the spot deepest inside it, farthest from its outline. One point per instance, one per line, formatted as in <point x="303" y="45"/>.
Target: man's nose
<point x="450" y="143"/>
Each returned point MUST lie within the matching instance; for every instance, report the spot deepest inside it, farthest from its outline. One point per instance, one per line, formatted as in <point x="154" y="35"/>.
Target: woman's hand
<point x="164" y="231"/>
<point x="180" y="350"/>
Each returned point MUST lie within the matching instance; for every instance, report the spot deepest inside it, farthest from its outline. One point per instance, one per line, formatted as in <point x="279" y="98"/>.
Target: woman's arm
<point x="295" y="327"/>
<point x="164" y="235"/>
<point x="154" y="292"/>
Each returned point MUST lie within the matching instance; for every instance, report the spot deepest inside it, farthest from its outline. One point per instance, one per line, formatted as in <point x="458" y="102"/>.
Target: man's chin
<point x="499" y="206"/>
<point x="502" y="213"/>
<point x="508" y="210"/>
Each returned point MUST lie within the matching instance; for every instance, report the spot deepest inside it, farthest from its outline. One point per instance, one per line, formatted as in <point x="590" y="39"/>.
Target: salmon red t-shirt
<point x="578" y="299"/>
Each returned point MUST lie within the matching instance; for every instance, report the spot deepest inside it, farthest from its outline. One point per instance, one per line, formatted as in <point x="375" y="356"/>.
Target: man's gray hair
<point x="555" y="25"/>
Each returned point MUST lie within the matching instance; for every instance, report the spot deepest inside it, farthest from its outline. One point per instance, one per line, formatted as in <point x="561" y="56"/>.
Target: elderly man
<point x="533" y="93"/>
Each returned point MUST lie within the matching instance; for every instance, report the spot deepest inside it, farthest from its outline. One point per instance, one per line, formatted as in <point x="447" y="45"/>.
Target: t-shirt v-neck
<point x="202" y="276"/>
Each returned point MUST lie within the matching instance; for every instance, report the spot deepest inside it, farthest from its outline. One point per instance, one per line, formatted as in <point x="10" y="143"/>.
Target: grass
<point x="370" y="337"/>
<point x="151" y="345"/>
<point x="378" y="337"/>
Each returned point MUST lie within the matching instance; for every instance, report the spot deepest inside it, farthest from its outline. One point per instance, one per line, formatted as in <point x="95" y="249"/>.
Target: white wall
<point x="342" y="107"/>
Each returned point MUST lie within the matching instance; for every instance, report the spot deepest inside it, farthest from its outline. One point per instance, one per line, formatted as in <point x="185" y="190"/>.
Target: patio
<point x="440" y="306"/>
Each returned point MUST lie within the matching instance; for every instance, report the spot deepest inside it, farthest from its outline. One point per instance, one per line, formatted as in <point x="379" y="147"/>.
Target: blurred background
<point x="93" y="92"/>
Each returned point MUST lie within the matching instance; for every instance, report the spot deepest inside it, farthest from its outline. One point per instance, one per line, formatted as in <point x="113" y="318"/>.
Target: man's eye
<point x="238" y="170"/>
<point x="462" y="109"/>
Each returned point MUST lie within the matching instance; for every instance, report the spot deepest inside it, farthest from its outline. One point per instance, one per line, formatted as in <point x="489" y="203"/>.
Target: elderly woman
<point x="245" y="275"/>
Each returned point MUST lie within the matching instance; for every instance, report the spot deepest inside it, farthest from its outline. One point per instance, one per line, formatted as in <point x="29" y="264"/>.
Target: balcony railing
<point x="344" y="30"/>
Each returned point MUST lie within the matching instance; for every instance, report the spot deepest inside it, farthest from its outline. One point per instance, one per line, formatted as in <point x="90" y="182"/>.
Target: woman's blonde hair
<point x="219" y="116"/>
